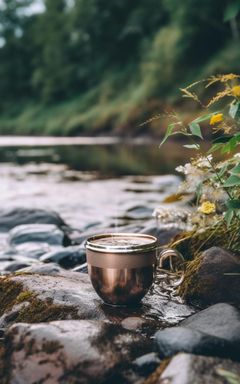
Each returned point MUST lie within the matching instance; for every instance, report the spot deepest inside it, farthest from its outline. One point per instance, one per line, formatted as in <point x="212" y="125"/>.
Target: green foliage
<point x="131" y="52"/>
<point x="230" y="377"/>
<point x="213" y="175"/>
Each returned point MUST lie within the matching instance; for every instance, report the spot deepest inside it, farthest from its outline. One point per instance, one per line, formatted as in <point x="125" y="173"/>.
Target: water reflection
<point x="108" y="160"/>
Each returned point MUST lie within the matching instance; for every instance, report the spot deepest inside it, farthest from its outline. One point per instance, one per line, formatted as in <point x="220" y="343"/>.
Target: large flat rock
<point x="34" y="297"/>
<point x="73" y="351"/>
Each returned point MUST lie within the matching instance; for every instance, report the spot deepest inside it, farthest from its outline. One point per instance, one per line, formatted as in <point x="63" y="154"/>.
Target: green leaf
<point x="204" y="117"/>
<point x="168" y="133"/>
<point x="191" y="146"/>
<point x="235" y="170"/>
<point x="222" y="139"/>
<point x="195" y="129"/>
<point x="232" y="181"/>
<point x="234" y="110"/>
<point x="231" y="10"/>
<point x="228" y="217"/>
<point x="231" y="145"/>
<point x="223" y="170"/>
<point x="215" y="147"/>
<point x="233" y="204"/>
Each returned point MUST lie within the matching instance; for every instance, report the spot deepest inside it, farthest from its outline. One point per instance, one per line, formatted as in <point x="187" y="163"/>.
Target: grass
<point x="124" y="98"/>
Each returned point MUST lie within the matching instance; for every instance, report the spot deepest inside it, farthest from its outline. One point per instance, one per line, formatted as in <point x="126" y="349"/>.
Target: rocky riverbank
<point x="55" y="329"/>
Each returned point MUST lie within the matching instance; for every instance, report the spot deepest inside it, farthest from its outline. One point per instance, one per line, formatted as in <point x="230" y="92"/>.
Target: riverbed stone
<point x="80" y="351"/>
<point x="212" y="278"/>
<point x="220" y="320"/>
<point x="50" y="269"/>
<point x="70" y="295"/>
<point x="212" y="332"/>
<point x="32" y="249"/>
<point x="10" y="218"/>
<point x="16" y="265"/>
<point x="147" y="363"/>
<point x="180" y="339"/>
<point x="164" y="235"/>
<point x="81" y="268"/>
<point x="67" y="257"/>
<point x="188" y="369"/>
<point x="46" y="233"/>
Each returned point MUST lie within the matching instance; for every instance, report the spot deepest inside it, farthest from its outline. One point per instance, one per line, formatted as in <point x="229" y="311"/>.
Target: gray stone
<point x="214" y="331"/>
<point x="180" y="339"/>
<point x="146" y="364"/>
<point x="71" y="351"/>
<point x="137" y="212"/>
<point x="16" y="265"/>
<point x="214" y="280"/>
<point x="32" y="250"/>
<point x="190" y="369"/>
<point x="67" y="257"/>
<point x="81" y="268"/>
<point x="220" y="320"/>
<point x="50" y="269"/>
<point x="70" y="295"/>
<point x="46" y="233"/>
<point x="11" y="218"/>
<point x="164" y="235"/>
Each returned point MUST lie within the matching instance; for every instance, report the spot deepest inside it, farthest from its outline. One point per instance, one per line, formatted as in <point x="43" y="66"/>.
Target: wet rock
<point x="50" y="269"/>
<point x="138" y="212"/>
<point x="71" y="351"/>
<point x="67" y="257"/>
<point x="11" y="218"/>
<point x="164" y="235"/>
<point x="132" y="323"/>
<point x="15" y="266"/>
<point x="70" y="295"/>
<point x="49" y="297"/>
<point x="46" y="233"/>
<point x="32" y="250"/>
<point x="220" y="320"/>
<point x="146" y="364"/>
<point x="81" y="268"/>
<point x="212" y="332"/>
<point x="180" y="339"/>
<point x="210" y="278"/>
<point x="188" y="369"/>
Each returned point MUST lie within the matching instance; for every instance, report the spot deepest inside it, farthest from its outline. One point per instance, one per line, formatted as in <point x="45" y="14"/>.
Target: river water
<point x="88" y="181"/>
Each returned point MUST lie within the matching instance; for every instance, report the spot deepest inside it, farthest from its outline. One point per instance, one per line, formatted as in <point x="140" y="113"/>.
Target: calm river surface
<point x="86" y="180"/>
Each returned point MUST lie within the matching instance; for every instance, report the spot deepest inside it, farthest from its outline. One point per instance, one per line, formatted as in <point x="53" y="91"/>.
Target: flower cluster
<point x="215" y="184"/>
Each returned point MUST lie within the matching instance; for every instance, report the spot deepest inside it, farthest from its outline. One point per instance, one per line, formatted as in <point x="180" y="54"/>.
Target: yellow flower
<point x="216" y="119"/>
<point x="236" y="91"/>
<point x="207" y="207"/>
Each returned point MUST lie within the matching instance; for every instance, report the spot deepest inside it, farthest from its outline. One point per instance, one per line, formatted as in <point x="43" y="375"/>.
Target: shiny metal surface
<point x="122" y="273"/>
<point x="121" y="286"/>
<point x="125" y="243"/>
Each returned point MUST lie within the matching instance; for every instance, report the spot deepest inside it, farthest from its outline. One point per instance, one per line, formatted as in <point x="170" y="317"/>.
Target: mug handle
<point x="169" y="254"/>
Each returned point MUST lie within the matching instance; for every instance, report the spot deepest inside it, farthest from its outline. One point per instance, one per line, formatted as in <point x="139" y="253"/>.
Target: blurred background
<point x="90" y="67"/>
<point x="72" y="69"/>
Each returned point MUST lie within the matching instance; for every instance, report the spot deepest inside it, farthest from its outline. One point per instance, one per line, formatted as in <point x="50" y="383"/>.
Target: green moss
<point x="188" y="287"/>
<point x="13" y="293"/>
<point x="51" y="346"/>
<point x="191" y="244"/>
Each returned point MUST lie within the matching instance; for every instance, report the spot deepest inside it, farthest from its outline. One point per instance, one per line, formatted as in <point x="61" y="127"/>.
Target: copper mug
<point x="122" y="266"/>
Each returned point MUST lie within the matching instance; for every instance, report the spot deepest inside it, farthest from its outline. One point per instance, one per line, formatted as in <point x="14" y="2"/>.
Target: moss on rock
<point x="192" y="243"/>
<point x="35" y="310"/>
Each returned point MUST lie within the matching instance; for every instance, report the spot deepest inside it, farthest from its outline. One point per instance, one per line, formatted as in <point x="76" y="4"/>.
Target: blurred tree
<point x="15" y="50"/>
<point x="52" y="76"/>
